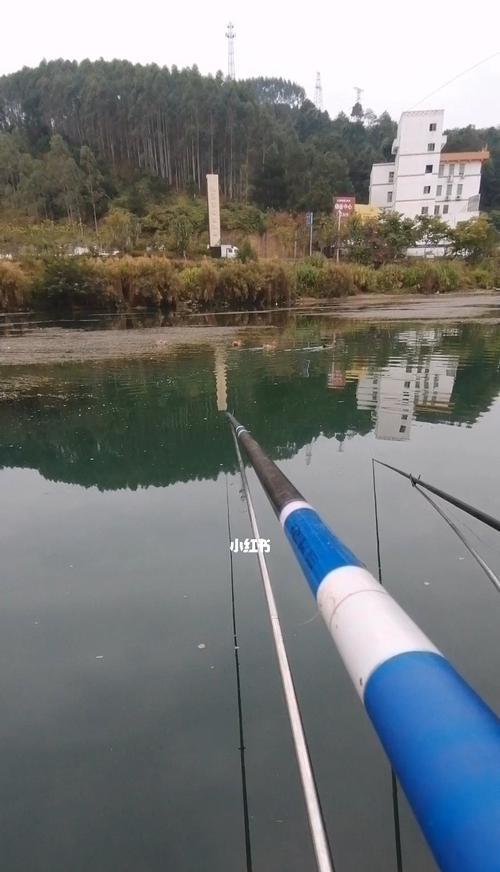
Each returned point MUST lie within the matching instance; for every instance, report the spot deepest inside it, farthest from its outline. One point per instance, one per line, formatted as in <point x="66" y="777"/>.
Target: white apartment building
<point x="424" y="180"/>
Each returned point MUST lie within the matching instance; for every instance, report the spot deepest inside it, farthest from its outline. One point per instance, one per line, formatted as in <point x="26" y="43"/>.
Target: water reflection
<point x="143" y="422"/>
<point x="397" y="393"/>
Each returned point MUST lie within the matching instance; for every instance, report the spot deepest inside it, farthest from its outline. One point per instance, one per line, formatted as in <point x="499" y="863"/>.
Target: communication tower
<point x="318" y="93"/>
<point x="230" y="35"/>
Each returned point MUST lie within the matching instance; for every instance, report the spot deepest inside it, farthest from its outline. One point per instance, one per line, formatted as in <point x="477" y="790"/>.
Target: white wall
<point x="380" y="185"/>
<point x="458" y="204"/>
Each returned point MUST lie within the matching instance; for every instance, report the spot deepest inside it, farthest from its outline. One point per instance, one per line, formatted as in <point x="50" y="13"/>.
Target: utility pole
<point x="309" y="223"/>
<point x="230" y="35"/>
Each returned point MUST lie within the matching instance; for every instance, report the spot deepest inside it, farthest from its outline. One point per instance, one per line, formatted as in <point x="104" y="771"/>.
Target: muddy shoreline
<point x="56" y="344"/>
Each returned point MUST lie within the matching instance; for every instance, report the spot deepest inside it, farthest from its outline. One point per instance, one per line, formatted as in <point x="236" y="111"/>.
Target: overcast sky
<point x="397" y="58"/>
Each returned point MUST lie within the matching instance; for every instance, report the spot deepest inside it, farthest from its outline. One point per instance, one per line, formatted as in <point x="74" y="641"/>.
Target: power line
<point x="458" y="76"/>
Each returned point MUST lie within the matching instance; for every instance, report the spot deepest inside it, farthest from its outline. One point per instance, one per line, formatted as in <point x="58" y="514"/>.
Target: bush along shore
<point x="110" y="284"/>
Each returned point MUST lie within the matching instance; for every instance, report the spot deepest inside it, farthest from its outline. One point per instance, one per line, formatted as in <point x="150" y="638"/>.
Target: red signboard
<point x="344" y="206"/>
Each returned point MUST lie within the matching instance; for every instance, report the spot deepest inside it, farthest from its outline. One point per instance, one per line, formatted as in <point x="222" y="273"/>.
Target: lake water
<point x="118" y="728"/>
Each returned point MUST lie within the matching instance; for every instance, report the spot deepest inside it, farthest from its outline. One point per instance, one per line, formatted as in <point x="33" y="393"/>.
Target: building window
<point x="461" y="169"/>
<point x="402" y="429"/>
<point x="441" y="170"/>
<point x="424" y="210"/>
<point x="433" y="127"/>
<point x="428" y="168"/>
<point x="459" y="190"/>
<point x="391" y="177"/>
<point x="436" y="210"/>
<point x="451" y="169"/>
<point x="431" y="146"/>
<point x="449" y="190"/>
<point x="445" y="209"/>
<point x="427" y="189"/>
<point x="404" y="417"/>
<point x="407" y="384"/>
<point x="439" y="190"/>
<point x="389" y="196"/>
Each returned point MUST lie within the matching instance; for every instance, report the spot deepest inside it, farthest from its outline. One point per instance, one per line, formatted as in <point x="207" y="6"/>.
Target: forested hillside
<point x="74" y="137"/>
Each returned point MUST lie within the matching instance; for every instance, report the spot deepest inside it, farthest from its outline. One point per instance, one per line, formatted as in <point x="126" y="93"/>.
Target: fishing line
<point x="458" y="76"/>
<point x="394" y="781"/>
<point x="484" y="517"/>
<point x="474" y="533"/>
<point x="315" y="816"/>
<point x="244" y="792"/>
<point x="477" y="557"/>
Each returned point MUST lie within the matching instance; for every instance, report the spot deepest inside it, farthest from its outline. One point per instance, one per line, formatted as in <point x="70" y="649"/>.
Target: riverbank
<point x="128" y="283"/>
<point x="25" y="342"/>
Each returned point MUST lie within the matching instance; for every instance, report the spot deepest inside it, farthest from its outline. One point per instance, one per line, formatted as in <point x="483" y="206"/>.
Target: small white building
<point x="424" y="180"/>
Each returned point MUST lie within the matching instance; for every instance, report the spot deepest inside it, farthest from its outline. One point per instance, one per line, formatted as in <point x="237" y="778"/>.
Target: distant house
<point x="424" y="180"/>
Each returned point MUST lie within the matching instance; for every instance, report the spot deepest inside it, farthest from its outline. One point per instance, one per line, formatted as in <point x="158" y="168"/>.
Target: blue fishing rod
<point x="441" y="738"/>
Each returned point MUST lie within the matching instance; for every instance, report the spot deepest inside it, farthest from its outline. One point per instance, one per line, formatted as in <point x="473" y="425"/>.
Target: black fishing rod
<point x="489" y="520"/>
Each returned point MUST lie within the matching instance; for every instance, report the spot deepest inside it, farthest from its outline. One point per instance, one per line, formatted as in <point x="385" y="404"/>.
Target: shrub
<point x="65" y="282"/>
<point x="364" y="278"/>
<point x="483" y="277"/>
<point x="13" y="285"/>
<point x="198" y="283"/>
<point x="246" y="251"/>
<point x="307" y="276"/>
<point x="140" y="281"/>
<point x="390" y="277"/>
<point x="336" y="280"/>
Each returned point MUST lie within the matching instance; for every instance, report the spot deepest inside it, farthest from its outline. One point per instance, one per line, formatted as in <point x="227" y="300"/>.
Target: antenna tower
<point x="318" y="92"/>
<point x="359" y="91"/>
<point x="230" y="34"/>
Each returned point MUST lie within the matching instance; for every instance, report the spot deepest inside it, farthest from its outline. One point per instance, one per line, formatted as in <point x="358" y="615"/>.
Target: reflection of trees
<point x="143" y="423"/>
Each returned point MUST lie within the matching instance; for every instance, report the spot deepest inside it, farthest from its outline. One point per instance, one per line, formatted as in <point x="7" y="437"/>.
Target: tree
<point x="64" y="179"/>
<point x="432" y="230"/>
<point x="92" y="180"/>
<point x="474" y="239"/>
<point x="120" y="229"/>
<point x="382" y="240"/>
<point x="183" y="234"/>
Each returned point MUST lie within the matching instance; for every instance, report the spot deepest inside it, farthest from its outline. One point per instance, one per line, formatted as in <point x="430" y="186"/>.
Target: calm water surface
<point x="118" y="728"/>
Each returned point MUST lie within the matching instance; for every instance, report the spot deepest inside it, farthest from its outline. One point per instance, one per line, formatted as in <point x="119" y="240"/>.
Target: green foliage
<point x="267" y="141"/>
<point x="432" y="230"/>
<point x="246" y="252"/>
<point x="380" y="241"/>
<point x="120" y="230"/>
<point x="242" y="217"/>
<point x="139" y="281"/>
<point x="14" y="286"/>
<point x="67" y="282"/>
<point x="474" y="239"/>
<point x="153" y="282"/>
<point x="308" y="277"/>
<point x="183" y="234"/>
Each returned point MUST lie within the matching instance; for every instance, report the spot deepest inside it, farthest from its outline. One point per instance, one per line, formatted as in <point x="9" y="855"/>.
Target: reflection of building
<point x="396" y="392"/>
<point x="336" y="377"/>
